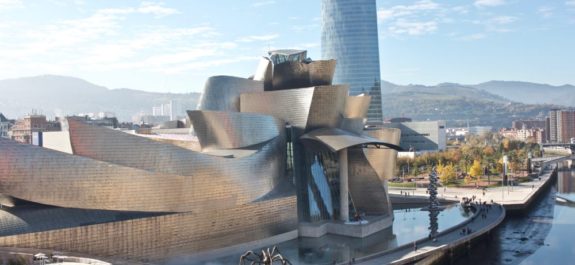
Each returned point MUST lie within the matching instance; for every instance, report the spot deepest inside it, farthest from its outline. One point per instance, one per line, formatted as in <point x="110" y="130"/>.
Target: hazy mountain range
<point x="60" y="95"/>
<point x="494" y="103"/>
<point x="459" y="104"/>
<point x="531" y="93"/>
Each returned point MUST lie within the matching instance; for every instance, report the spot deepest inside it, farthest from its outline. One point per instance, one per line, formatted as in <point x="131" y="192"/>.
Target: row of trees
<point x="477" y="156"/>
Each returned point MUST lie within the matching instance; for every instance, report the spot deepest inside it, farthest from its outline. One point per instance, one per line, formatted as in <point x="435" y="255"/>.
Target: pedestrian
<point x="414" y="245"/>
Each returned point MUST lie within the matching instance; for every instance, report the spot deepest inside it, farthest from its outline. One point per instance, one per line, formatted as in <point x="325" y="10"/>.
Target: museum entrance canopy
<point x="337" y="139"/>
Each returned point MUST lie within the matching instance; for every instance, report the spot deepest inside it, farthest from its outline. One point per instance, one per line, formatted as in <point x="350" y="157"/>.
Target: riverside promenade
<point x="511" y="197"/>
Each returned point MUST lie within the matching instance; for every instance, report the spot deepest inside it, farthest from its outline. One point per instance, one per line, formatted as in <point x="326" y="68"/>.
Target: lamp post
<point x="505" y="161"/>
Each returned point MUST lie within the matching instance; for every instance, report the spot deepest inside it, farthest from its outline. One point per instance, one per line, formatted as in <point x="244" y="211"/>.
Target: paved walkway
<point x="481" y="222"/>
<point x="512" y="197"/>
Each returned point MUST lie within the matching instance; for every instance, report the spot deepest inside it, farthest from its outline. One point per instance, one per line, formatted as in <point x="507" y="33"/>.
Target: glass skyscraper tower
<point x="349" y="35"/>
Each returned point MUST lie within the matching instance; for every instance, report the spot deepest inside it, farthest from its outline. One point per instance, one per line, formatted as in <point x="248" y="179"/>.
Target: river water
<point x="543" y="234"/>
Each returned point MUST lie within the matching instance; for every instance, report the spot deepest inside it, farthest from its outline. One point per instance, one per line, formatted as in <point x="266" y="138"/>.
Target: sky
<point x="174" y="46"/>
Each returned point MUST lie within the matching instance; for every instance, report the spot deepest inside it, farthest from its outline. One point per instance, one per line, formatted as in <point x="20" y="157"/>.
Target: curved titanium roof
<point x="289" y="75"/>
<point x="383" y="161"/>
<point x="113" y="170"/>
<point x="233" y="130"/>
<point x="357" y="106"/>
<point x="338" y="139"/>
<point x="304" y="108"/>
<point x="222" y="93"/>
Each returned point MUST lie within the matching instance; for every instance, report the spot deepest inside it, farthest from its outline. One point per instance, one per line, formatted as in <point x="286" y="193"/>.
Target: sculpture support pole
<point x="343" y="187"/>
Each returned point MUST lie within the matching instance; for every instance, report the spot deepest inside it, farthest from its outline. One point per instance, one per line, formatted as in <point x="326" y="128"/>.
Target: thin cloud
<point x="10" y="4"/>
<point x="146" y="8"/>
<point x="502" y="20"/>
<point x="420" y="18"/>
<point x="545" y="11"/>
<point x="497" y="24"/>
<point x="156" y="9"/>
<point x="488" y="3"/>
<point x="413" y="28"/>
<point x="406" y="10"/>
<point x="263" y="3"/>
<point x="255" y="38"/>
<point x="100" y="43"/>
<point x="473" y="37"/>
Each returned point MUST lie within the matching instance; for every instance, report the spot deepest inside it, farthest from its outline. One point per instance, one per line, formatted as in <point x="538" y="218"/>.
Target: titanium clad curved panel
<point x="218" y="177"/>
<point x="53" y="178"/>
<point x="321" y="72"/>
<point x="291" y="106"/>
<point x="231" y="130"/>
<point x="163" y="239"/>
<point x="350" y="35"/>
<point x="367" y="190"/>
<point x="289" y="75"/>
<point x="337" y="139"/>
<point x="264" y="73"/>
<point x="222" y="93"/>
<point x="353" y="125"/>
<point x="327" y="107"/>
<point x="79" y="182"/>
<point x="383" y="161"/>
<point x="356" y="106"/>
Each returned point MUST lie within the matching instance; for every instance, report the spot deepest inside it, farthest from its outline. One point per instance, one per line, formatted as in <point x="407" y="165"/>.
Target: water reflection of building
<point x="282" y="151"/>
<point x="565" y="180"/>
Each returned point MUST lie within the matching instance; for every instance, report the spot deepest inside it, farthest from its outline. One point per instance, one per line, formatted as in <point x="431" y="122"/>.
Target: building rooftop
<point x="287" y="55"/>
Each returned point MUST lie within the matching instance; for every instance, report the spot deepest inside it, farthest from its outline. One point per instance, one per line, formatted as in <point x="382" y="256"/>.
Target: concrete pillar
<point x="343" y="187"/>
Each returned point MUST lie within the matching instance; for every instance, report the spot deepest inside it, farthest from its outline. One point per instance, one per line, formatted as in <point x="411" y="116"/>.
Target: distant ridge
<point x="62" y="95"/>
<point x="457" y="104"/>
<point x="494" y="103"/>
<point x="531" y="93"/>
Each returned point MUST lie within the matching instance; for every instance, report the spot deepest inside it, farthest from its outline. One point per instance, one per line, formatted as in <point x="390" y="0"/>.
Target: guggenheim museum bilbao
<point x="280" y="155"/>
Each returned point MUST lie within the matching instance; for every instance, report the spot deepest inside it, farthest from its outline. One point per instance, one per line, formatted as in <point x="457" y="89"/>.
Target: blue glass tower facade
<point x="349" y="35"/>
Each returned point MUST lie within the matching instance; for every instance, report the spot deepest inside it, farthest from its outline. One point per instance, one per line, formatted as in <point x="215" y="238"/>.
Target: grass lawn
<point x="401" y="184"/>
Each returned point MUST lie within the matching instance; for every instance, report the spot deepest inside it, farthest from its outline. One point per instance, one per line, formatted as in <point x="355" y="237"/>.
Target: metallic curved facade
<point x="301" y="74"/>
<point x="368" y="192"/>
<point x="78" y="182"/>
<point x="383" y="161"/>
<point x="232" y="130"/>
<point x="290" y="106"/>
<point x="337" y="139"/>
<point x="349" y="35"/>
<point x="156" y="239"/>
<point x="264" y="72"/>
<point x="304" y="108"/>
<point x="138" y="152"/>
<point x="222" y="93"/>
<point x="357" y="107"/>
